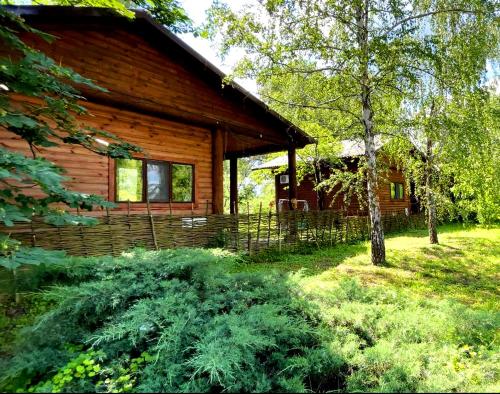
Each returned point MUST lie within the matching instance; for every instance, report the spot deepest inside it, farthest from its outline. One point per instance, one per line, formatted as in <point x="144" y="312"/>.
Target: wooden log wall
<point x="160" y="139"/>
<point x="247" y="232"/>
<point x="305" y="191"/>
<point x="152" y="75"/>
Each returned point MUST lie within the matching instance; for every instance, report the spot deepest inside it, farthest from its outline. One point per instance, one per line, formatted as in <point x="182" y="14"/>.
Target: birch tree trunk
<point x="429" y="192"/>
<point x="377" y="232"/>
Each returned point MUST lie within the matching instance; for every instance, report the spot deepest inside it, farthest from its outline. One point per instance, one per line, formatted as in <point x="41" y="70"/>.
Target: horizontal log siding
<point x="384" y="194"/>
<point x="137" y="73"/>
<point x="306" y="192"/>
<point x="160" y="139"/>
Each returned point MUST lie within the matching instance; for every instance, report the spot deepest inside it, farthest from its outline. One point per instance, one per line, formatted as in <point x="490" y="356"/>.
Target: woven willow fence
<point x="244" y="232"/>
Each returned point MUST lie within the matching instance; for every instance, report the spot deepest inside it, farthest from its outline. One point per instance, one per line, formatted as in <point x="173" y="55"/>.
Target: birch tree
<point x="447" y="112"/>
<point x="370" y="51"/>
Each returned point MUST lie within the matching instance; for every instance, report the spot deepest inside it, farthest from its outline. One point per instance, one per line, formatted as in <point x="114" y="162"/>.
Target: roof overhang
<point x="147" y="26"/>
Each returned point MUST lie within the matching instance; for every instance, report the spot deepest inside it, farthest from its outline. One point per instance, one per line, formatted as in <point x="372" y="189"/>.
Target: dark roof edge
<point x="38" y="10"/>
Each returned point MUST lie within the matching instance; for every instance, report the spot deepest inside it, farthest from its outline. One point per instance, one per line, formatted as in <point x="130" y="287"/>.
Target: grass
<point x="464" y="267"/>
<point x="426" y="321"/>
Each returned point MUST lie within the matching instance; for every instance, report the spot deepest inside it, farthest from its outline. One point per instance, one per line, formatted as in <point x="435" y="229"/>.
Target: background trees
<point x="445" y="116"/>
<point x="369" y="53"/>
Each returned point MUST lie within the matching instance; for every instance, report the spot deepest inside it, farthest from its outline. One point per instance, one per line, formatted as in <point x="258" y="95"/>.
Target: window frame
<point x="396" y="191"/>
<point x="144" y="198"/>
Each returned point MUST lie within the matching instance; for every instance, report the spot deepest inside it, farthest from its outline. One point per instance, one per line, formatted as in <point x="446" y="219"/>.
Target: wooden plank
<point x="292" y="178"/>
<point x="217" y="171"/>
<point x="233" y="185"/>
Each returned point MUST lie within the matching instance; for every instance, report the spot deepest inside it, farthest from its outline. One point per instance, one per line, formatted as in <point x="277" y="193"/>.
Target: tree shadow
<point x="312" y="260"/>
<point x="446" y="271"/>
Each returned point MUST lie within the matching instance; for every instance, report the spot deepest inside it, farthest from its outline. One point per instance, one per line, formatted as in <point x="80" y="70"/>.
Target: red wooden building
<point x="164" y="97"/>
<point x="392" y="192"/>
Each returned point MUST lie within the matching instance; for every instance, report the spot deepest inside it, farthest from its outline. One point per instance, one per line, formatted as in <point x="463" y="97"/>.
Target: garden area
<point x="210" y="320"/>
<point x="210" y="196"/>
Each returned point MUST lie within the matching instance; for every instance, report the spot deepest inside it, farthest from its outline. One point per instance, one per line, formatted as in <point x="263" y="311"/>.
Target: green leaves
<point x="31" y="256"/>
<point x="47" y="116"/>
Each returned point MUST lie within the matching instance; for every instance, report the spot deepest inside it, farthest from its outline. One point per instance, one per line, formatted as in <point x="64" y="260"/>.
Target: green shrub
<point x="394" y="342"/>
<point x="172" y="321"/>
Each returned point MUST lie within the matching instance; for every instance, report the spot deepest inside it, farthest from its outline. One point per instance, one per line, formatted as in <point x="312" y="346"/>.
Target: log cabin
<point x="162" y="96"/>
<point x="392" y="192"/>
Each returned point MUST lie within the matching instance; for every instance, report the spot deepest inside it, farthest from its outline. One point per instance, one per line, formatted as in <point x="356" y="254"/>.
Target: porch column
<point x="292" y="178"/>
<point x="233" y="185"/>
<point x="217" y="171"/>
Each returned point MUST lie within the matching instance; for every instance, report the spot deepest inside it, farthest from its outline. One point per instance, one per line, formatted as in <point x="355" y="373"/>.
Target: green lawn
<point x="427" y="321"/>
<point x="463" y="267"/>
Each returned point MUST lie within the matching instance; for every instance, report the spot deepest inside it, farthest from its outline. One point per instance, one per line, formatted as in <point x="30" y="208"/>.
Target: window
<point x="128" y="180"/>
<point x="159" y="181"/>
<point x="397" y="191"/>
<point x="182" y="183"/>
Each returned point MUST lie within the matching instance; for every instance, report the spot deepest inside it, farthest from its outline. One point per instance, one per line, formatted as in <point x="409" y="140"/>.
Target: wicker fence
<point x="244" y="232"/>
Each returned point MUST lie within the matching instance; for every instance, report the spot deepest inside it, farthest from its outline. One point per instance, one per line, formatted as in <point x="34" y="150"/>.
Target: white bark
<point x="377" y="232"/>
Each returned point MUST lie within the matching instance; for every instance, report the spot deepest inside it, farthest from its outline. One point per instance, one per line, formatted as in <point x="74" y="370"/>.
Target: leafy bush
<point x="393" y="342"/>
<point x="172" y="321"/>
<point x="176" y="320"/>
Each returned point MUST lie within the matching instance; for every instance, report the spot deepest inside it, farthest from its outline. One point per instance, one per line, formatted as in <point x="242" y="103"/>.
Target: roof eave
<point x="299" y="137"/>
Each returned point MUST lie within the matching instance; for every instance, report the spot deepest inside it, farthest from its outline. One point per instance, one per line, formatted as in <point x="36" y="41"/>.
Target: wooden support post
<point x="292" y="178"/>
<point x="233" y="185"/>
<point x="217" y="172"/>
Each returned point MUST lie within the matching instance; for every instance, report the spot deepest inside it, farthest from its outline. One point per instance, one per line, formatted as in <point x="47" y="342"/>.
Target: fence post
<point x="249" y="235"/>
<point x="269" y="227"/>
<point x="347" y="229"/>
<point x="330" y="219"/>
<point x="236" y="229"/>
<point x="152" y="224"/>
<point x="110" y="232"/>
<point x="279" y="228"/>
<point x="257" y="246"/>
<point x="82" y="234"/>
<point x="33" y="235"/>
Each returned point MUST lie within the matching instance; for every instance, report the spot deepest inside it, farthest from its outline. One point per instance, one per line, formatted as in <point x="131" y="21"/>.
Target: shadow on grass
<point x="313" y="260"/>
<point x="463" y="267"/>
<point x="423" y="232"/>
<point x="467" y="272"/>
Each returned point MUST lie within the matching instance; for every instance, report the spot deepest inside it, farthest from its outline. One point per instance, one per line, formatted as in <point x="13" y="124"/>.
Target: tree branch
<point x="426" y="14"/>
<point x="297" y="105"/>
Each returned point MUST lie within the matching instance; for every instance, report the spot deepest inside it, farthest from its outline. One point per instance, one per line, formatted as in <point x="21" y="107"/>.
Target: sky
<point x="196" y="11"/>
